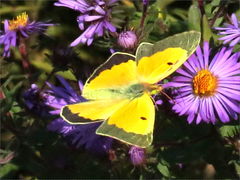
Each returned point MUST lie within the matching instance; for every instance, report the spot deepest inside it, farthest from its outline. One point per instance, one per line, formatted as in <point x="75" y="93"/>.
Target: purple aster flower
<point x="18" y="28"/>
<point x="137" y="155"/>
<point x="94" y="18"/>
<point x="231" y="31"/>
<point x="208" y="89"/>
<point x="78" y="135"/>
<point x="127" y="39"/>
<point x="35" y="100"/>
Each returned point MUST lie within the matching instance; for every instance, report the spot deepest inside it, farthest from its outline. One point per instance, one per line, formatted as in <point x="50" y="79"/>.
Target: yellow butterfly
<point x="119" y="91"/>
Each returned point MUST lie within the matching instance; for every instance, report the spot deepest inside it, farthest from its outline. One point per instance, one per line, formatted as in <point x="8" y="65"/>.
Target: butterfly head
<point x="153" y="89"/>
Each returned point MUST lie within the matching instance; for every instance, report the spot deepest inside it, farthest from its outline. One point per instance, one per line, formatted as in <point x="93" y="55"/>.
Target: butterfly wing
<point x="106" y="91"/>
<point x="161" y="64"/>
<point x="111" y="78"/>
<point x="159" y="60"/>
<point x="91" y="111"/>
<point x="186" y="40"/>
<point x="132" y="123"/>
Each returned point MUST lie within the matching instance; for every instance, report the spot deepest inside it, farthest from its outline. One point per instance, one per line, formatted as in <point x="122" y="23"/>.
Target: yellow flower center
<point x="20" y="21"/>
<point x="204" y="83"/>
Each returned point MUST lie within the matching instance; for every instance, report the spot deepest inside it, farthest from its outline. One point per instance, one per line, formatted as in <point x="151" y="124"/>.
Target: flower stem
<point x="217" y="14"/>
<point x="24" y="54"/>
<point x="144" y="15"/>
<point x="201" y="6"/>
<point x="141" y="26"/>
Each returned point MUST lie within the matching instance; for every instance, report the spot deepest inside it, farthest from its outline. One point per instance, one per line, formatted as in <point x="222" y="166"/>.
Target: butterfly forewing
<point x="161" y="64"/>
<point x="111" y="79"/>
<point x="144" y="49"/>
<point x="186" y="40"/>
<point x="159" y="60"/>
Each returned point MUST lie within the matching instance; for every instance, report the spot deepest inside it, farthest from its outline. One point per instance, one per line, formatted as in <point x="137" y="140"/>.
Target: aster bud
<point x="137" y="155"/>
<point x="145" y="2"/>
<point x="127" y="39"/>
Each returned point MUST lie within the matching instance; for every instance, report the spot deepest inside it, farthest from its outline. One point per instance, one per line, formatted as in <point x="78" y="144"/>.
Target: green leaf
<point x="7" y="102"/>
<point x="208" y="9"/>
<point x="16" y="88"/>
<point x="187" y="40"/>
<point x="5" y="105"/>
<point x="229" y="130"/>
<point x="7" y="170"/>
<point x="141" y="177"/>
<point x="17" y="9"/>
<point x="67" y="74"/>
<point x="182" y="13"/>
<point x="47" y="67"/>
<point x="194" y="18"/>
<point x="163" y="169"/>
<point x="163" y="3"/>
<point x="207" y="32"/>
<point x="237" y="167"/>
<point x="215" y="2"/>
<point x="218" y="22"/>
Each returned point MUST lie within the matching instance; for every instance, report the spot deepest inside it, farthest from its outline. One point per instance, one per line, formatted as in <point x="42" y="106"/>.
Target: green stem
<point x="217" y="14"/>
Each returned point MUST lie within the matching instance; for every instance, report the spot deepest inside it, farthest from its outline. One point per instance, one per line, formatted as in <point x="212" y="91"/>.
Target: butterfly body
<point x="134" y="91"/>
<point x="119" y="92"/>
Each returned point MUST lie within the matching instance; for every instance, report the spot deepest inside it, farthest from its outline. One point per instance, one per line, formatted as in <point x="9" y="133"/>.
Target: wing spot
<point x="143" y="118"/>
<point x="170" y="63"/>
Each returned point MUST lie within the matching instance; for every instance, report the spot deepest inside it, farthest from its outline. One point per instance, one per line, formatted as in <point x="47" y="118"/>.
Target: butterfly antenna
<point x="165" y="94"/>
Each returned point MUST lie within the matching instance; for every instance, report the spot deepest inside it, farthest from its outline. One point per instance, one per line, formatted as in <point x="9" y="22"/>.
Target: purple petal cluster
<point x="231" y="32"/>
<point x="78" y="135"/>
<point x="222" y="80"/>
<point x="35" y="101"/>
<point x="137" y="155"/>
<point x="94" y="18"/>
<point x="11" y="36"/>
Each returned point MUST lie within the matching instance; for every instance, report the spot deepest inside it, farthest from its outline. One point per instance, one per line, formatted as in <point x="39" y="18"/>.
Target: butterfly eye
<point x="170" y="63"/>
<point x="143" y="118"/>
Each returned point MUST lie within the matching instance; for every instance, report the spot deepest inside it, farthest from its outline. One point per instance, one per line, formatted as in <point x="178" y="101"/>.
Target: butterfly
<point x="119" y="91"/>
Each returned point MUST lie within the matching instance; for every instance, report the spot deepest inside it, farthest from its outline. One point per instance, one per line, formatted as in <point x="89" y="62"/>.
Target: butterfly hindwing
<point x="91" y="111"/>
<point x="132" y="123"/>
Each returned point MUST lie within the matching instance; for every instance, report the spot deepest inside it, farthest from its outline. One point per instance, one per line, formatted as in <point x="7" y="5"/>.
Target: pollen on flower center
<point x="20" y="21"/>
<point x="204" y="83"/>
